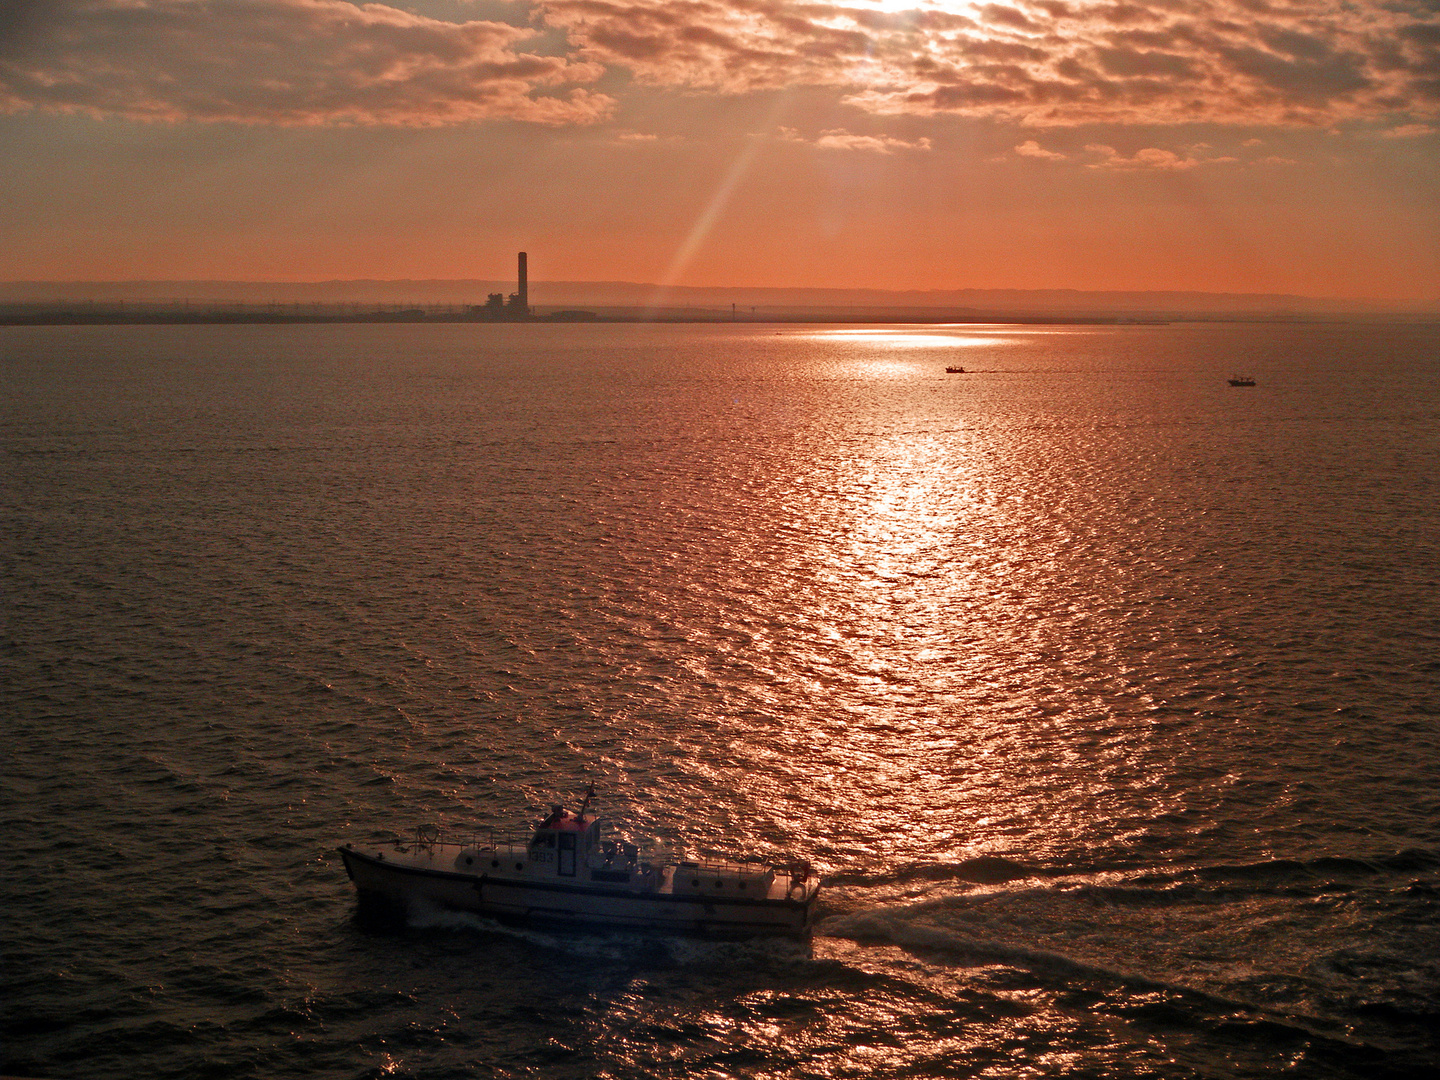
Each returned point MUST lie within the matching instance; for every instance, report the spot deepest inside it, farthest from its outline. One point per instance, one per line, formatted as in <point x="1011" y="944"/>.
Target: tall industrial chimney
<point x="524" y="290"/>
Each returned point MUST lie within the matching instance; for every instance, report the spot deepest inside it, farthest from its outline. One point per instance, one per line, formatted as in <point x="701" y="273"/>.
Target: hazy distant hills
<point x="552" y="295"/>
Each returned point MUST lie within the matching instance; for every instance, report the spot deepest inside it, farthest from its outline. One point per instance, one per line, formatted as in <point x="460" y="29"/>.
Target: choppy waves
<point x="1104" y="698"/>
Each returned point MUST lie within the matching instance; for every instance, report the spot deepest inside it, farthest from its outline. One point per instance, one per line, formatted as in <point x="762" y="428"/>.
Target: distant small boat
<point x="954" y="371"/>
<point x="1242" y="380"/>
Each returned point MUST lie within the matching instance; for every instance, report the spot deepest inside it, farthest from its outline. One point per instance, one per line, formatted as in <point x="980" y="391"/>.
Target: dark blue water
<point x="1104" y="694"/>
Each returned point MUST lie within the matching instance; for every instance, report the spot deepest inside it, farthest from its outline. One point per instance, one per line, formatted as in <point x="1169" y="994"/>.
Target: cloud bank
<point x="286" y="62"/>
<point x="1035" y="62"/>
<point x="840" y="139"/>
<point x="1151" y="159"/>
<point x="1148" y="159"/>
<point x="1040" y="61"/>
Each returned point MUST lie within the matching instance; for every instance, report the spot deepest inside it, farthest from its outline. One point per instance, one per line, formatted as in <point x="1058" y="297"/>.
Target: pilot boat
<point x="567" y="874"/>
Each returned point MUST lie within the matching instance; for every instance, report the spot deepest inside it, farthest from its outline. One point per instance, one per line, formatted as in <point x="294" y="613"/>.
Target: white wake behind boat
<point x="566" y="874"/>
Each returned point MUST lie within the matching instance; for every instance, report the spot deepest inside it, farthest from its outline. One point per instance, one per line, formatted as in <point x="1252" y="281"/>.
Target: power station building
<point x="517" y="306"/>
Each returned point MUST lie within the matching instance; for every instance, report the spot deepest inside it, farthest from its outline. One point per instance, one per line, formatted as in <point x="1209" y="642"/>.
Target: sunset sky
<point x="1226" y="145"/>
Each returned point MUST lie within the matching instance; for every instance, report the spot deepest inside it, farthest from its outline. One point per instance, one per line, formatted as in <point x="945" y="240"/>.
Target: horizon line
<point x="643" y="285"/>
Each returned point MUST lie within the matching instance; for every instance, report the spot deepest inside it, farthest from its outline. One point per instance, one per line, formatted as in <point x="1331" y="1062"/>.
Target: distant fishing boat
<point x="954" y="371"/>
<point x="1242" y="380"/>
<point x="565" y="874"/>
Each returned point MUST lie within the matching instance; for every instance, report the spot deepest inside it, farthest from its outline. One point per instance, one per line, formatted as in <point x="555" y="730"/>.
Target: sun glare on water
<point x="927" y="338"/>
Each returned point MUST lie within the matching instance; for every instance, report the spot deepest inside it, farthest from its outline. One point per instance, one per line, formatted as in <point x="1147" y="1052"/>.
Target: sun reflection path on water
<point x="882" y="617"/>
<point x="927" y="620"/>
<point x="880" y="569"/>
<point x="895" y="596"/>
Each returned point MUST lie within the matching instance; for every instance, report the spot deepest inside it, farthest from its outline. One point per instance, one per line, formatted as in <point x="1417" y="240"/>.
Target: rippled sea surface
<point x="1104" y="694"/>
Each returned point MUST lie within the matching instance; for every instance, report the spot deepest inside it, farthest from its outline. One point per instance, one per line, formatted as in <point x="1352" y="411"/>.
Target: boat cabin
<point x="563" y="842"/>
<point x="568" y="845"/>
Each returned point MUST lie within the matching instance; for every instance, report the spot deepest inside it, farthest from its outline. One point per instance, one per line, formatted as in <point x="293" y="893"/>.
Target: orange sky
<point x="1222" y="145"/>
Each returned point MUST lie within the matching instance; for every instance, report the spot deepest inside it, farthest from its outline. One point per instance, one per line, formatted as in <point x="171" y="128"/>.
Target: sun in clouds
<point x="918" y="5"/>
<point x="1036" y="61"/>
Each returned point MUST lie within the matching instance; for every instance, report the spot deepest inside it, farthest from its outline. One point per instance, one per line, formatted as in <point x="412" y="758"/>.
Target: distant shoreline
<point x="241" y="318"/>
<point x="455" y="300"/>
<point x="232" y="318"/>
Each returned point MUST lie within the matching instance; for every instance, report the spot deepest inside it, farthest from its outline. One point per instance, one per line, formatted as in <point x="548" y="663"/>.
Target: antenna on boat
<point x="589" y="794"/>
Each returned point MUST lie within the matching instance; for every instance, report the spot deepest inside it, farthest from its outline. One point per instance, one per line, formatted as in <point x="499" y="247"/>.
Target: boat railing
<point x="797" y="869"/>
<point x="722" y="866"/>
<point x="430" y="837"/>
